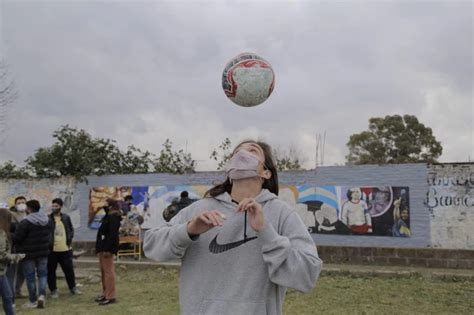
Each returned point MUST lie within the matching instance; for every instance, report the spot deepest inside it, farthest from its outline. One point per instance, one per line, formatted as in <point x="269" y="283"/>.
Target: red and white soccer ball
<point x="248" y="80"/>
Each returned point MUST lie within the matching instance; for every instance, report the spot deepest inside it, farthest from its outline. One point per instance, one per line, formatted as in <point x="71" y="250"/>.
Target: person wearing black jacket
<point x="62" y="234"/>
<point x="33" y="238"/>
<point x="106" y="246"/>
<point x="14" y="271"/>
<point x="184" y="201"/>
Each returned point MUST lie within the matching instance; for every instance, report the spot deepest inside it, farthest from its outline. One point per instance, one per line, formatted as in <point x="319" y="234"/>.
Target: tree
<point x="393" y="140"/>
<point x="76" y="153"/>
<point x="288" y="160"/>
<point x="10" y="170"/>
<point x="174" y="162"/>
<point x="222" y="153"/>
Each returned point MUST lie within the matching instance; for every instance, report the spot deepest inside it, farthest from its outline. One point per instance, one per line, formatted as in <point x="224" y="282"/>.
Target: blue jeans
<point x="32" y="267"/>
<point x="7" y="296"/>
<point x="15" y="278"/>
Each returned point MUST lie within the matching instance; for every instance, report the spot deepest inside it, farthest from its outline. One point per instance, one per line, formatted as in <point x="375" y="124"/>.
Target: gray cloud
<point x="143" y="72"/>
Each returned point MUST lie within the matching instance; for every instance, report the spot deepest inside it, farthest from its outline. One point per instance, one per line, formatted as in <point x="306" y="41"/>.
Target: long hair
<point x="270" y="184"/>
<point x="5" y="221"/>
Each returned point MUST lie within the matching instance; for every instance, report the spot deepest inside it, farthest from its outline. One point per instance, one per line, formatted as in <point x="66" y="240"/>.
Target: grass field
<point x="155" y="291"/>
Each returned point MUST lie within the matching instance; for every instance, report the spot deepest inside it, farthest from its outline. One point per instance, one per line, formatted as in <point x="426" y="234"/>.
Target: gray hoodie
<point x="38" y="218"/>
<point x="223" y="273"/>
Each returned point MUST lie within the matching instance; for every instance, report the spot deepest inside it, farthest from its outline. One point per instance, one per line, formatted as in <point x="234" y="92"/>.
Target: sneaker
<point x="30" y="305"/>
<point x="76" y="291"/>
<point x="54" y="294"/>
<point x="99" y="298"/>
<point x="107" y="302"/>
<point x="41" y="301"/>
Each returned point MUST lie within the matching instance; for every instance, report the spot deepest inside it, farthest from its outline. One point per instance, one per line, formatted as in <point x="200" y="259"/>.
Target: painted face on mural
<point x="404" y="215"/>
<point x="356" y="194"/>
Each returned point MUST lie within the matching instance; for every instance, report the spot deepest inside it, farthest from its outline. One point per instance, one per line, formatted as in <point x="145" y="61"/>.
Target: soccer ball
<point x="248" y="80"/>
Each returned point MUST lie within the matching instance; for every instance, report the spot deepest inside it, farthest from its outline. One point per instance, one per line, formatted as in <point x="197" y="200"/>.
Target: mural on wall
<point x="44" y="190"/>
<point x="149" y="202"/>
<point x="382" y="211"/>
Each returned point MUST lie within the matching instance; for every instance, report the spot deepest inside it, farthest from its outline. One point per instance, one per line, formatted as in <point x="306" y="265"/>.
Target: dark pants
<point x="7" y="296"/>
<point x="15" y="278"/>
<point x="31" y="268"/>
<point x="64" y="259"/>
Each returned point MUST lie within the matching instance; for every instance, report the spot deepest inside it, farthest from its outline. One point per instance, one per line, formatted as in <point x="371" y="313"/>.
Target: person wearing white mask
<point x="241" y="246"/>
<point x="14" y="271"/>
<point x="18" y="210"/>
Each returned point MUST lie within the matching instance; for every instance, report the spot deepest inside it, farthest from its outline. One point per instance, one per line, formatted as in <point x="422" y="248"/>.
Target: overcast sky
<point x="141" y="72"/>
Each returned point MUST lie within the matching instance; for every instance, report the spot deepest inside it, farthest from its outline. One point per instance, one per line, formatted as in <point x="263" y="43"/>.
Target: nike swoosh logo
<point x="217" y="248"/>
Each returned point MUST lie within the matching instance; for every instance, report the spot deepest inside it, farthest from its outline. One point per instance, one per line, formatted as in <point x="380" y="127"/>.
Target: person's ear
<point x="267" y="174"/>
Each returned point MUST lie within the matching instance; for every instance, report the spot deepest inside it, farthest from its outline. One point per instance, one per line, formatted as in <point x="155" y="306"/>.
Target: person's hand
<point x="18" y="257"/>
<point x="255" y="213"/>
<point x="107" y="254"/>
<point x="205" y="221"/>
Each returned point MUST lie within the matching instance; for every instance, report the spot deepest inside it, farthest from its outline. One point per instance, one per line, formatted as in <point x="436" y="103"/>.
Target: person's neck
<point x="245" y="188"/>
<point x="57" y="214"/>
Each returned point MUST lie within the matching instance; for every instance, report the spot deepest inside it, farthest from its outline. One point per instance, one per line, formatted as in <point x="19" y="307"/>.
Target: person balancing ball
<point x="240" y="246"/>
<point x="248" y="80"/>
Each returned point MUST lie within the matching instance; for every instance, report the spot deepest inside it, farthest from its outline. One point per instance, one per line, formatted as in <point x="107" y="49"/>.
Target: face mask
<point x="56" y="210"/>
<point x="243" y="164"/>
<point x="21" y="207"/>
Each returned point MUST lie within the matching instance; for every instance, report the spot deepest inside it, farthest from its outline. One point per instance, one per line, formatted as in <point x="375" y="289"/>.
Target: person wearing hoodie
<point x="33" y="237"/>
<point x="14" y="270"/>
<point x="106" y="246"/>
<point x="6" y="258"/>
<point x="241" y="247"/>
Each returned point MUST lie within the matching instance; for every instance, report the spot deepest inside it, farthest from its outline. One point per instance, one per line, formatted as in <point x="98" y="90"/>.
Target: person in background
<point x="106" y="246"/>
<point x="62" y="234"/>
<point x="6" y="258"/>
<point x="33" y="237"/>
<point x="14" y="270"/>
<point x="126" y="204"/>
<point x="184" y="201"/>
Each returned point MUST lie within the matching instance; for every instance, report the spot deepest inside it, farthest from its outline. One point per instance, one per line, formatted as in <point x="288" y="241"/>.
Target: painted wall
<point x="451" y="205"/>
<point x="44" y="190"/>
<point x="412" y="176"/>
<point x="441" y="202"/>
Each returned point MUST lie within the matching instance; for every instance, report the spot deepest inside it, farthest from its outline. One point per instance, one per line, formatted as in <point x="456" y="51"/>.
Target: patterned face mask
<point x="243" y="164"/>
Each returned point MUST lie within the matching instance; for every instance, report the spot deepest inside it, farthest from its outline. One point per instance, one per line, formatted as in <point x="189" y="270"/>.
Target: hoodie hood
<point x="264" y="196"/>
<point x="38" y="218"/>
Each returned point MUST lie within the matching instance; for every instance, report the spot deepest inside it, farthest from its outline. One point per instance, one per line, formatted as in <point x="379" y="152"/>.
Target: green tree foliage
<point x="287" y="160"/>
<point x="174" y="162"/>
<point x="10" y="170"/>
<point x="76" y="153"/>
<point x="222" y="153"/>
<point x="393" y="140"/>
